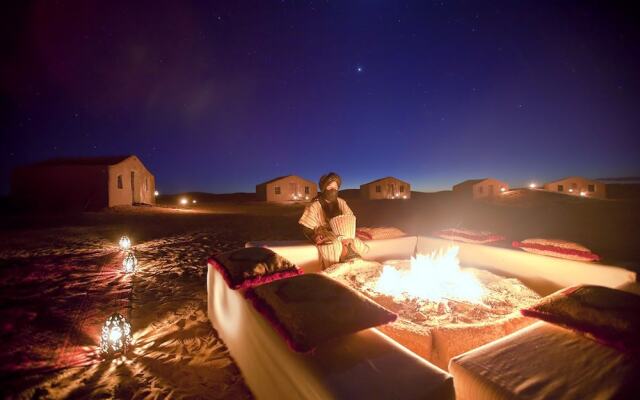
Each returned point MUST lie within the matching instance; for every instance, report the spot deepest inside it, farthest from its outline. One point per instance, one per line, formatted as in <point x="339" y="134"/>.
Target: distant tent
<point x="480" y="188"/>
<point x="578" y="186"/>
<point x="85" y="183"/>
<point x="385" y="188"/>
<point x="286" y="189"/>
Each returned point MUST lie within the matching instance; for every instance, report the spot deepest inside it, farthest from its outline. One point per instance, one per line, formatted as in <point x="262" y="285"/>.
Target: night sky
<point x="217" y="97"/>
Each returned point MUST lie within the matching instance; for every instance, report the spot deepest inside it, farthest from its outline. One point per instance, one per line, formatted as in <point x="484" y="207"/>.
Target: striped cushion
<point x="557" y="248"/>
<point x="469" y="236"/>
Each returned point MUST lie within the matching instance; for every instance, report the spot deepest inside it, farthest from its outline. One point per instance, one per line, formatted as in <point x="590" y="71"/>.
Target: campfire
<point x="436" y="277"/>
<point x="444" y="308"/>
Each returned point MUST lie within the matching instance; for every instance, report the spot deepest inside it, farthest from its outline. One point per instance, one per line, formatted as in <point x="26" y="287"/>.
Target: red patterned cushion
<point x="382" y="232"/>
<point x="252" y="266"/>
<point x="609" y="316"/>
<point x="469" y="236"/>
<point x="557" y="248"/>
<point x="310" y="309"/>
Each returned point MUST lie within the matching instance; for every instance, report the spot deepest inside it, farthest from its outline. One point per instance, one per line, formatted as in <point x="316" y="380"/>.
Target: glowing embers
<point x="129" y="263"/>
<point x="436" y="277"/>
<point x="116" y="336"/>
<point x="125" y="242"/>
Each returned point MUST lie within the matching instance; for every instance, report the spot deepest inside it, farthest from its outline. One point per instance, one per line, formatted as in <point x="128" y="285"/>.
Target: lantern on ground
<point x="125" y="242"/>
<point x="184" y="201"/>
<point x="129" y="263"/>
<point x="156" y="193"/>
<point x="116" y="336"/>
<point x="532" y="185"/>
<point x="583" y="194"/>
<point x="194" y="201"/>
<point x="503" y="189"/>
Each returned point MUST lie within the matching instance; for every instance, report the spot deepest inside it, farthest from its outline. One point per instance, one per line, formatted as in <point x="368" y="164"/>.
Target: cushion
<point x="607" y="315"/>
<point x="251" y="266"/>
<point x="469" y="236"/>
<point x="308" y="310"/>
<point x="375" y="233"/>
<point x="557" y="248"/>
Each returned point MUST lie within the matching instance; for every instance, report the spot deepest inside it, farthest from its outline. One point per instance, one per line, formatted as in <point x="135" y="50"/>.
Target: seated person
<point x="330" y="224"/>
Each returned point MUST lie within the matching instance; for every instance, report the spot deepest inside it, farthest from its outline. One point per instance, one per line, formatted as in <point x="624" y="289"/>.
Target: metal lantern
<point x="116" y="336"/>
<point x="130" y="262"/>
<point x="125" y="242"/>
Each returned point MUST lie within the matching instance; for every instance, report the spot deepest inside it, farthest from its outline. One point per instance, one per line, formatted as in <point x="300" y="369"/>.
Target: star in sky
<point x="359" y="68"/>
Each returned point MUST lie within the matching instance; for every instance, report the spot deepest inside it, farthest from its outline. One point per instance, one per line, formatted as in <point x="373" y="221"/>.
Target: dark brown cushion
<point x="607" y="315"/>
<point x="252" y="266"/>
<point x="310" y="309"/>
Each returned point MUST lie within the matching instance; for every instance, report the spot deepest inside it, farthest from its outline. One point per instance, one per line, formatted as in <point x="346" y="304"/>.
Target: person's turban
<point x="325" y="180"/>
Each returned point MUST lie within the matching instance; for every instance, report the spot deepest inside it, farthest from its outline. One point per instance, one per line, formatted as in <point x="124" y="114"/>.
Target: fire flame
<point x="436" y="277"/>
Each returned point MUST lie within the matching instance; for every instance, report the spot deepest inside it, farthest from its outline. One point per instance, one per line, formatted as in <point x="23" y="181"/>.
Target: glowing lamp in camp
<point x="404" y="197"/>
<point x="570" y="190"/>
<point x="184" y="201"/>
<point x="129" y="263"/>
<point x="116" y="336"/>
<point x="194" y="201"/>
<point x="532" y="186"/>
<point x="583" y="194"/>
<point x="124" y="242"/>
<point x="306" y="197"/>
<point x="503" y="190"/>
<point x="156" y="193"/>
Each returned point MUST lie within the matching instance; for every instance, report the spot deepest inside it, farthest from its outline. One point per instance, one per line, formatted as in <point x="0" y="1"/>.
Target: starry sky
<point x="219" y="96"/>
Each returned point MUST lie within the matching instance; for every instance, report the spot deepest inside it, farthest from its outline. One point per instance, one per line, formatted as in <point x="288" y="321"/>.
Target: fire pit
<point x="444" y="310"/>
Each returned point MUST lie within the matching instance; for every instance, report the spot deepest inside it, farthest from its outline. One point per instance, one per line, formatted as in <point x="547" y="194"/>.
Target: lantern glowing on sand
<point x="532" y="185"/>
<point x="129" y="263"/>
<point x="116" y="336"/>
<point x="583" y="194"/>
<point x="194" y="201"/>
<point x="125" y="242"/>
<point x="503" y="190"/>
<point x="156" y="193"/>
<point x="184" y="201"/>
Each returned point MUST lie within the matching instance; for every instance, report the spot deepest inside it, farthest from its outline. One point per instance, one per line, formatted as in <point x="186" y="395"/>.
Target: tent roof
<point x="381" y="179"/>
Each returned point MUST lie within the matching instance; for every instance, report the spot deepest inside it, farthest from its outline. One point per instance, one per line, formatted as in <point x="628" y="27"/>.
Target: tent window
<point x="401" y="188"/>
<point x="560" y="188"/>
<point x="480" y="189"/>
<point x="591" y="188"/>
<point x="378" y="189"/>
<point x="277" y="189"/>
<point x="120" y="182"/>
<point x="306" y="190"/>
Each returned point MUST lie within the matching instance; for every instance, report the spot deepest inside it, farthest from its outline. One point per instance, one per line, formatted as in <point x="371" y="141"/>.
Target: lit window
<point x="560" y="188"/>
<point x="277" y="189"/>
<point x="591" y="188"/>
<point x="119" y="181"/>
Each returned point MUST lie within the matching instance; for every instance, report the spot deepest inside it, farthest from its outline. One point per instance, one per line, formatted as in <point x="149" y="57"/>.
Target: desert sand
<point x="60" y="279"/>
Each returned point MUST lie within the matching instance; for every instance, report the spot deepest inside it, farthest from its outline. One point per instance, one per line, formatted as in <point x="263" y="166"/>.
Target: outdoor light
<point x="194" y="201"/>
<point x="532" y="185"/>
<point x="404" y="197"/>
<point x="129" y="263"/>
<point x="583" y="194"/>
<point x="156" y="193"/>
<point x="571" y="190"/>
<point x="306" y="197"/>
<point x="183" y="201"/>
<point x="125" y="242"/>
<point x="116" y="336"/>
<point x="503" y="190"/>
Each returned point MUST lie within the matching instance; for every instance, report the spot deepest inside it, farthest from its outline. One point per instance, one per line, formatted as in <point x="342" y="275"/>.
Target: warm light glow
<point x="503" y="189"/>
<point x="583" y="194"/>
<point x="116" y="335"/>
<point x="435" y="277"/>
<point x="125" y="242"/>
<point x="129" y="263"/>
<point x="571" y="190"/>
<point x="184" y="201"/>
<point x="194" y="201"/>
<point x="306" y="197"/>
<point x="156" y="193"/>
<point x="532" y="185"/>
<point x="404" y="197"/>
